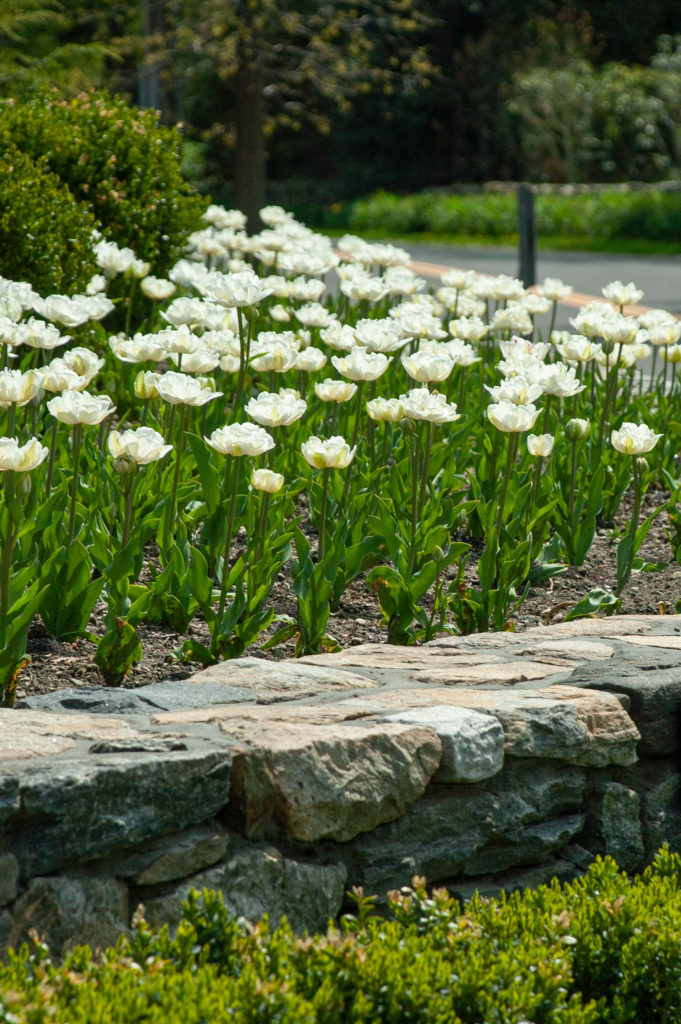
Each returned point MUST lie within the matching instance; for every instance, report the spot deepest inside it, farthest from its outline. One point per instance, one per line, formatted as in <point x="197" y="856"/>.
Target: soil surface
<point x="56" y="664"/>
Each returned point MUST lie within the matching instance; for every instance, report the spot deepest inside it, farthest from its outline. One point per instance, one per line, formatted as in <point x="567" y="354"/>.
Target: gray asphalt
<point x="588" y="272"/>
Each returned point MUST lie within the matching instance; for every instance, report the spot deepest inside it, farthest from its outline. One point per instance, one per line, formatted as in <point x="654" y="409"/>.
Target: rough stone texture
<point x="472" y="744"/>
<point x="529" y="846"/>
<point x="171" y="858"/>
<point x="267" y="681"/>
<point x="652" y="682"/>
<point x="442" y="833"/>
<point x="515" y="881"/>
<point x="28" y="734"/>
<point x="258" y="879"/>
<point x="9" y="876"/>
<point x="615" y="825"/>
<point x="68" y="911"/>
<point x="429" y="664"/>
<point x="76" y="811"/>
<point x="332" y="782"/>
<point x="6" y="923"/>
<point x="658" y="784"/>
<point x="139" y="803"/>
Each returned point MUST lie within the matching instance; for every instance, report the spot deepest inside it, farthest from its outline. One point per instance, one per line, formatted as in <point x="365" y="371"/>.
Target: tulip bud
<point x="250" y="314"/>
<point x="24" y="484"/>
<point x="407" y="426"/>
<point x="577" y="430"/>
<point x="608" y="346"/>
<point x="641" y="464"/>
<point x="124" y="464"/>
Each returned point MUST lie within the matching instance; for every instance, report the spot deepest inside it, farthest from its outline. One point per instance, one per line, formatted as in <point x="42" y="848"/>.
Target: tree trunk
<point x="249" y="161"/>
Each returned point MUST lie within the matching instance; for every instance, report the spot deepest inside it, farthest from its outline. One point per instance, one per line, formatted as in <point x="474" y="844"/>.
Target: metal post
<point x="527" y="236"/>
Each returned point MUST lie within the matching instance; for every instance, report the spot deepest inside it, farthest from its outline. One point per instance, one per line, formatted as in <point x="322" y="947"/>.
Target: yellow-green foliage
<point x="45" y="235"/>
<point x="116" y="160"/>
<point x="603" y="949"/>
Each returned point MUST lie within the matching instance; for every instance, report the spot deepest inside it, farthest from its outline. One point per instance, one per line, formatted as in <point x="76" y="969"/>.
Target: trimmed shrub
<point x="45" y="235"/>
<point x="601" y="950"/>
<point x="651" y="215"/>
<point x="117" y="160"/>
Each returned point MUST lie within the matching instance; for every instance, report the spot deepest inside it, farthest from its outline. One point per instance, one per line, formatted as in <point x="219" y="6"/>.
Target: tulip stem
<point x="633" y="527"/>
<point x="244" y="352"/>
<point x="179" y="452"/>
<point x="510" y="459"/>
<point x="232" y="476"/>
<point x="77" y="435"/>
<point x="414" y="458"/>
<point x="53" y="452"/>
<point x="322" y="515"/>
<point x="355" y="436"/>
<point x="129" y="489"/>
<point x="6" y="565"/>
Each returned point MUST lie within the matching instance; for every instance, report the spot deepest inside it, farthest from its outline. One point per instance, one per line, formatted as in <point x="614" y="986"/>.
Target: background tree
<point x="39" y="45"/>
<point x="287" y="61"/>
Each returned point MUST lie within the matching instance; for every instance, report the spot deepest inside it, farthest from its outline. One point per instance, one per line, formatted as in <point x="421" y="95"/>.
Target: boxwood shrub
<point x="115" y="159"/>
<point x="604" y="948"/>
<point x="45" y="235"/>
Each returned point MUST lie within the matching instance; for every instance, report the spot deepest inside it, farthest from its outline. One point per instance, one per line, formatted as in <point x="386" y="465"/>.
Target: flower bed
<point x="253" y="427"/>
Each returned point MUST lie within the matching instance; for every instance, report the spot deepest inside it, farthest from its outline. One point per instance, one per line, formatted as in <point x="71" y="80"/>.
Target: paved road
<point x="658" y="276"/>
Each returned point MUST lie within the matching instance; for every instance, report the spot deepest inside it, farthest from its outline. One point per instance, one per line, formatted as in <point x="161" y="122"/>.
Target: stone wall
<point x="485" y="762"/>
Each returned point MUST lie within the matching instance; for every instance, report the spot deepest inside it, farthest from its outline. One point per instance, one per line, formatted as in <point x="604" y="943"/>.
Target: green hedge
<point x="602" y="949"/>
<point x="45" y="235"/>
<point x="117" y="161"/>
<point x="608" y="215"/>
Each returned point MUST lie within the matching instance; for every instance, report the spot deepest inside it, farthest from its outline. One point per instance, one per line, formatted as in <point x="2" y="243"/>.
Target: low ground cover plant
<point x="246" y="424"/>
<point x="603" y="948"/>
<point x="648" y="215"/>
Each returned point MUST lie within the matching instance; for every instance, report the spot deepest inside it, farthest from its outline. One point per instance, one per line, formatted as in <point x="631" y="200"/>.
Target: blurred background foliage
<point x="312" y="103"/>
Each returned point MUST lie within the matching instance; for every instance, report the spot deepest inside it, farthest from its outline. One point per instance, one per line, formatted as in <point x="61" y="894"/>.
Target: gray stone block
<point x="257" y="879"/>
<point x="472" y="743"/>
<point x="9" y="876"/>
<point x="651" y="679"/>
<point x="80" y="810"/>
<point x="170" y="695"/>
<point x="68" y="911"/>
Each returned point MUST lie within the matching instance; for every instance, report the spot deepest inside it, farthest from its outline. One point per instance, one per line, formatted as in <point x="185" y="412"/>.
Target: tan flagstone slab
<point x="567" y="652"/>
<point x="25" y="733"/>
<point x="282" y="680"/>
<point x="606" y="628"/>
<point x="432" y="665"/>
<point x="672" y="641"/>
<point x="284" y="711"/>
<point x="329" y="782"/>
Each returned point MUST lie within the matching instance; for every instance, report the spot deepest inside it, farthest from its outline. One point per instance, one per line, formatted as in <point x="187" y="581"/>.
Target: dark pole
<point x="527" y="236"/>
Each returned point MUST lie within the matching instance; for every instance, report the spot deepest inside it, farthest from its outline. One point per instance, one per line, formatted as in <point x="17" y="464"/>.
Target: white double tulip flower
<point x="240" y="439"/>
<point x="17" y="388"/>
<point x="76" y="407"/>
<point x="181" y="389"/>
<point x="361" y="365"/>
<point x="270" y="409"/>
<point x="540" y="445"/>
<point x="634" y="439"/>
<point x="385" y="410"/>
<point x="142" y="444"/>
<point x="16" y="458"/>
<point x="332" y="453"/>
<point x="330" y="390"/>
<point x="512" y="419"/>
<point x="425" y="366"/>
<point x="266" y="480"/>
<point x="428" y="406"/>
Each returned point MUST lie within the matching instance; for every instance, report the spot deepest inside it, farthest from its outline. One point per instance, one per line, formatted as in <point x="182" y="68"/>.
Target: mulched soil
<point x="55" y="664"/>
